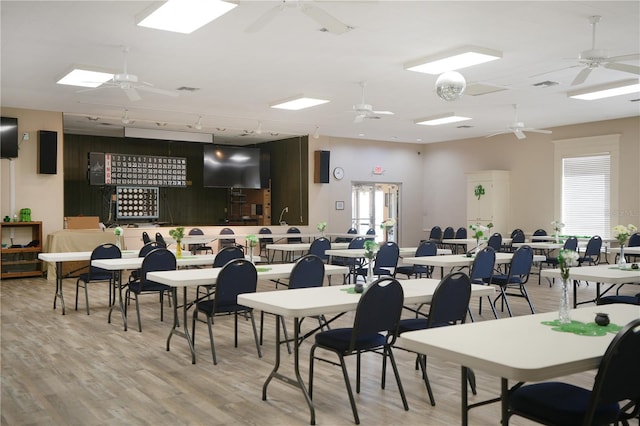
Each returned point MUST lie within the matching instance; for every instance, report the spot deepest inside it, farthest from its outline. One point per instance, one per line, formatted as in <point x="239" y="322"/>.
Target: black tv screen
<point x="231" y="167"/>
<point x="8" y="137"/>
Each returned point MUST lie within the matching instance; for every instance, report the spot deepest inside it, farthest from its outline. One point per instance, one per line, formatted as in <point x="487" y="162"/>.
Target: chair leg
<point x="397" y="374"/>
<point x="422" y="361"/>
<point x="138" y="313"/>
<point x="77" y="287"/>
<point x="523" y="290"/>
<point x="347" y="383"/>
<point x="86" y="296"/>
<point x="493" y="308"/>
<point x="358" y="364"/>
<point x="213" y="346"/>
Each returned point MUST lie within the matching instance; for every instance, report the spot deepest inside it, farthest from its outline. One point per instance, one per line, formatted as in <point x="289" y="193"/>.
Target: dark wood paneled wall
<point x="193" y="205"/>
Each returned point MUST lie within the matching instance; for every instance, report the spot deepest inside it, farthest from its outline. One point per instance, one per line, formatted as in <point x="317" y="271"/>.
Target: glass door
<point x="373" y="203"/>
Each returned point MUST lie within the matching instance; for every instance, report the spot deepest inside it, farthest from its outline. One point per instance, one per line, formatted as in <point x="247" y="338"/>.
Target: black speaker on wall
<point x="321" y="169"/>
<point x="47" y="152"/>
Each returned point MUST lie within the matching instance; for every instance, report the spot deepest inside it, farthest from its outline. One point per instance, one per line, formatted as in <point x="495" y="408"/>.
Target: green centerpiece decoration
<point x="119" y="232"/>
<point x="566" y="259"/>
<point x="622" y="234"/>
<point x="252" y="241"/>
<point x="177" y="234"/>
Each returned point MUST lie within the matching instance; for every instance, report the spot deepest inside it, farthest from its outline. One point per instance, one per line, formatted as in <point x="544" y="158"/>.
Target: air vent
<point x="188" y="89"/>
<point x="464" y="126"/>
<point x="482" y="89"/>
<point x="547" y="83"/>
<point x="635" y="100"/>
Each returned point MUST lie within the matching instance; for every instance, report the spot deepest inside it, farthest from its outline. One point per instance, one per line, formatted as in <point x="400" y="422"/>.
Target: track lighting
<point x="316" y="134"/>
<point x="125" y="118"/>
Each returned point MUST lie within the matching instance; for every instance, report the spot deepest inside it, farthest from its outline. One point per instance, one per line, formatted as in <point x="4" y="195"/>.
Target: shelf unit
<point x="22" y="242"/>
<point x="249" y="206"/>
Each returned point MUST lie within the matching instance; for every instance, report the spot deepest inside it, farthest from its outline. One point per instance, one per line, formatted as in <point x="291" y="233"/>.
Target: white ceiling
<point x="239" y="73"/>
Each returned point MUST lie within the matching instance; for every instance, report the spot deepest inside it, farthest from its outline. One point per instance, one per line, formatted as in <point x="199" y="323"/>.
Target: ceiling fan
<point x="518" y="128"/>
<point x="328" y="22"/>
<point x="364" y="110"/>
<point x="594" y="58"/>
<point x="130" y="84"/>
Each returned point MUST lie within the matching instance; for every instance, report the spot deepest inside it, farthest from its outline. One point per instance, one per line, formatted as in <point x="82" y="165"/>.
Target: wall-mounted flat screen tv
<point x="231" y="167"/>
<point x="8" y="137"/>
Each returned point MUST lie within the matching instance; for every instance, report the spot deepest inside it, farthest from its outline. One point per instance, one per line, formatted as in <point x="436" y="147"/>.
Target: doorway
<point x="373" y="203"/>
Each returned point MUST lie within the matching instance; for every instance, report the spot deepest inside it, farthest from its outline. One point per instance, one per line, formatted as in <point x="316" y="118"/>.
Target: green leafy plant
<point x="252" y="240"/>
<point x="478" y="191"/>
<point x="177" y="234"/>
<point x="370" y="249"/>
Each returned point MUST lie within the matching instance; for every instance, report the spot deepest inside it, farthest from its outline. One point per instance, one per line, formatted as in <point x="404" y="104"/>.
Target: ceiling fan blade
<point x="519" y="134"/>
<point x="383" y="112"/>
<point x="623" y="58"/>
<point x="623" y="67"/>
<point x="556" y="70"/>
<point x="132" y="94"/>
<point x="501" y="132"/>
<point x="327" y="21"/>
<point x="158" y="91"/>
<point x="546" y="132"/>
<point x="581" y="77"/>
<point x="358" y="118"/>
<point x="264" y="19"/>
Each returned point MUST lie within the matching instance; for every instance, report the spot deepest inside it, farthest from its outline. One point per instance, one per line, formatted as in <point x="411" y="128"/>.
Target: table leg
<point x="59" y="288"/>
<point x="504" y="400"/>
<point x="176" y="322"/>
<point x="120" y="301"/>
<point x="464" y="397"/>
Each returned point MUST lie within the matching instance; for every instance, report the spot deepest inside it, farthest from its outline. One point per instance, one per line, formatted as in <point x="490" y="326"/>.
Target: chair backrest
<point x="571" y="243"/>
<point x="226" y="241"/>
<point x="160" y="259"/>
<point x="461" y="232"/>
<point x="593" y="246"/>
<point x="236" y="277"/>
<point x="495" y="241"/>
<point x="379" y="310"/>
<point x="346" y="239"/>
<point x="483" y="264"/>
<point x="104" y="251"/>
<point x="435" y="234"/>
<point x="448" y="233"/>
<point x="388" y="255"/>
<point x="518" y="237"/>
<point x="318" y="247"/>
<point x="371" y="231"/>
<point x="539" y="233"/>
<point x="145" y="237"/>
<point x="307" y="272"/>
<point x="145" y="249"/>
<point x="619" y="372"/>
<point x="521" y="263"/>
<point x="427" y="248"/>
<point x="160" y="239"/>
<point x="227" y="254"/>
<point x="634" y="240"/>
<point x="293" y="240"/>
<point x="265" y="240"/>
<point x="196" y="231"/>
<point x="450" y="301"/>
<point x="516" y="231"/>
<point x="356" y="243"/>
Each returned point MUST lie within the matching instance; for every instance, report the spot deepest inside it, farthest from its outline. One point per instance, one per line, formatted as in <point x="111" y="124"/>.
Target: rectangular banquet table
<point x="336" y="300"/>
<point x="460" y="260"/>
<point x="521" y="349"/>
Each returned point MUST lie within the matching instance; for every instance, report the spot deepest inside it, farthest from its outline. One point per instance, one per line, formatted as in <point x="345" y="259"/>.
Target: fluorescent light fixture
<point x="455" y="59"/>
<point x="85" y="77"/>
<point x="297" y="103"/>
<point x="183" y="16"/>
<point x="437" y="120"/>
<point x="606" y="90"/>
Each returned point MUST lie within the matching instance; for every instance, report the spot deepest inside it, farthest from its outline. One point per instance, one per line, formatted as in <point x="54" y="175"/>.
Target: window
<point x="586" y="184"/>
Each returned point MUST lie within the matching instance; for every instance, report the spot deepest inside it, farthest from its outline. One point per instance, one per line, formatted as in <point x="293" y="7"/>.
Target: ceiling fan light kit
<point x="455" y="59"/>
<point x="183" y="16"/>
<point x="606" y="90"/>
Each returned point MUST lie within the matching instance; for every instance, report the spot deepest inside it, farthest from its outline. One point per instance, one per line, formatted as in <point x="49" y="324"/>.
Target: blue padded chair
<point x="461" y="233"/>
<point x="435" y="234"/>
<point x="557" y="403"/>
<point x="385" y="262"/>
<point x="197" y="248"/>
<point x="226" y="242"/>
<point x="264" y="241"/>
<point x="570" y="243"/>
<point x="160" y="239"/>
<point x="293" y="239"/>
<point x="159" y="259"/>
<point x="495" y="241"/>
<point x="351" y="263"/>
<point x="619" y="298"/>
<point x="516" y="278"/>
<point x="448" y="306"/>
<point x="375" y="329"/>
<point x="103" y="251"/>
<point x="481" y="273"/>
<point x="540" y="233"/>
<point x="239" y="276"/>
<point x="346" y="239"/>
<point x="223" y="257"/>
<point x="319" y="246"/>
<point x="591" y="253"/>
<point x="144" y="250"/>
<point x="448" y="234"/>
<point x="146" y="239"/>
<point x="517" y="237"/>
<point x="426" y="248"/>
<point x="371" y="232"/>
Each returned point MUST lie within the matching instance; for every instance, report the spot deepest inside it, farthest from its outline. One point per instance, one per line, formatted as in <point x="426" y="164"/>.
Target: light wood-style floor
<point x="80" y="370"/>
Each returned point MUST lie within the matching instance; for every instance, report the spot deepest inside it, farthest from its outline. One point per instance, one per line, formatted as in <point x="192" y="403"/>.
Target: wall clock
<point x="338" y="173"/>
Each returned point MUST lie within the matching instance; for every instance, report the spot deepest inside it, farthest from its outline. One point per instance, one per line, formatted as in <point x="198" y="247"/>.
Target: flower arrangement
<point x="321" y="226"/>
<point x="622" y="233"/>
<point x="252" y="240"/>
<point x="566" y="259"/>
<point x="370" y="249"/>
<point x="177" y="234"/>
<point x="118" y="231"/>
<point x="479" y="230"/>
<point x="557" y="226"/>
<point x="388" y="224"/>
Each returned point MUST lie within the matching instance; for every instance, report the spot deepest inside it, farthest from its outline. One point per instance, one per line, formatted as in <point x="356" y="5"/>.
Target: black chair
<point x="306" y="273"/>
<point x="517" y="237"/>
<point x="448" y="234"/>
<point x="435" y="234"/>
<point x="540" y="233"/>
<point x="293" y="240"/>
<point x="236" y="277"/>
<point x="144" y="250"/>
<point x="159" y="259"/>
<point x="319" y="246"/>
<point x="160" y="239"/>
<point x="591" y="253"/>
<point x="197" y="248"/>
<point x="516" y="278"/>
<point x="371" y="232"/>
<point x="570" y="243"/>
<point x="426" y="248"/>
<point x="481" y="273"/>
<point x="619" y="298"/>
<point x="385" y="263"/>
<point x="495" y="241"/>
<point x="223" y="257"/>
<point x="103" y="251"/>
<point x="346" y="239"/>
<point x="264" y="241"/>
<point x="461" y="233"/>
<point x="449" y="305"/>
<point x="375" y="329"/>
<point x="226" y="242"/>
<point x="146" y="239"/>
<point x="557" y="403"/>
<point x="634" y="241"/>
<point x="351" y="263"/>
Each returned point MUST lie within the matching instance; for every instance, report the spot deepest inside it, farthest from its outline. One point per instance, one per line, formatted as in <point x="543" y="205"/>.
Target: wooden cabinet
<point x="21" y="244"/>
<point x="488" y="199"/>
<point x="250" y="207"/>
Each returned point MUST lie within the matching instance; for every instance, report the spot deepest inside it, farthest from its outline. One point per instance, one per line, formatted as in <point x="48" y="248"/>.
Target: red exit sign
<point x="377" y="170"/>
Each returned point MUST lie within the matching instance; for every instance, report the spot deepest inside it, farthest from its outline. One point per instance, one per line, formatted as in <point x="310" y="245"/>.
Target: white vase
<point x="564" y="313"/>
<point x="622" y="262"/>
<point x="119" y="241"/>
<point x="557" y="237"/>
<point x="370" y="273"/>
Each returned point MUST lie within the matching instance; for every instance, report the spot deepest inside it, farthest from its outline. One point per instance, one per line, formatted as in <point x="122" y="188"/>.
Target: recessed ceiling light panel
<point x="183" y="16"/>
<point x="297" y="103"/>
<point x="606" y="90"/>
<point x="437" y="120"/>
<point x="455" y="59"/>
<point x="85" y="77"/>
